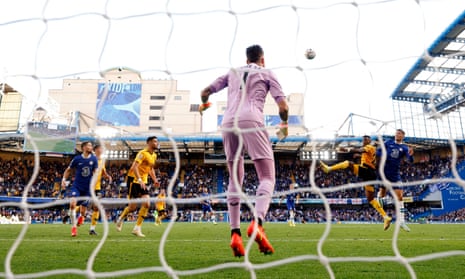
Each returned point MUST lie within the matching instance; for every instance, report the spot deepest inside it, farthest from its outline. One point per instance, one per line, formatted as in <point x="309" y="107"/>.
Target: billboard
<point x="118" y="104"/>
<point x="51" y="137"/>
<point x="275" y="120"/>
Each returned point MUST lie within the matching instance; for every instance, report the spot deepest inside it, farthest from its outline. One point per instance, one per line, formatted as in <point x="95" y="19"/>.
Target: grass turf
<point x="196" y="246"/>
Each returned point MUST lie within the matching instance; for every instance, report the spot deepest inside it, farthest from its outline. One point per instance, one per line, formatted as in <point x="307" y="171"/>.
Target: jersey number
<point x="85" y="172"/>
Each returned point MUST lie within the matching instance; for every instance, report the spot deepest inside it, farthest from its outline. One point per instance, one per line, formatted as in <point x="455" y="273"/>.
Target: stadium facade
<point x="10" y="108"/>
<point x="128" y="103"/>
<point x="125" y="101"/>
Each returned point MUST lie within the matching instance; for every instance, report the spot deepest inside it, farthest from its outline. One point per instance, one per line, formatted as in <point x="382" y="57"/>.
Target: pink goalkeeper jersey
<point x="259" y="82"/>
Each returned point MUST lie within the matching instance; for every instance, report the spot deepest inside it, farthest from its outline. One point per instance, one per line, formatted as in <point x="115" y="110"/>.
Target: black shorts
<point x="98" y="194"/>
<point x="161" y="212"/>
<point x="366" y="173"/>
<point x="135" y="190"/>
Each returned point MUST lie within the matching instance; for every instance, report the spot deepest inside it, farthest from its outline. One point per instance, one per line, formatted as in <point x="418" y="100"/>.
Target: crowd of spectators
<point x="299" y="175"/>
<point x="16" y="174"/>
<point x="193" y="178"/>
<point x="457" y="216"/>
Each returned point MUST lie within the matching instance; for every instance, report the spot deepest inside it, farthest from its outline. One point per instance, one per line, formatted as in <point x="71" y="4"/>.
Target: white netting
<point x="192" y="42"/>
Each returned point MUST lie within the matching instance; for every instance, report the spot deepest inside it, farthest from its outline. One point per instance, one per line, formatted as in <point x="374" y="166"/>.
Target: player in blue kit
<point x="291" y="200"/>
<point x="207" y="210"/>
<point x="85" y="165"/>
<point x="396" y="152"/>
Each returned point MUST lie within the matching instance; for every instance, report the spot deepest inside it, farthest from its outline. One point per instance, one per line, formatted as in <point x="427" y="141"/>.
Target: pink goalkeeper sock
<point x="234" y="201"/>
<point x="266" y="176"/>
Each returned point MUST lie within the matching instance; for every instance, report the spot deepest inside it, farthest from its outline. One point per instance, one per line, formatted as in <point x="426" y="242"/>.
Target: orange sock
<point x="124" y="214"/>
<point x="340" y="166"/>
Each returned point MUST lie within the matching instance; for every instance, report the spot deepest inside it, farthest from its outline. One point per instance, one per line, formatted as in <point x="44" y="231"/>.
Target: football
<point x="310" y="53"/>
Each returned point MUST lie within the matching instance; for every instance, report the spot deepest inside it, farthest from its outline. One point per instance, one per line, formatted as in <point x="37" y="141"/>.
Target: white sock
<point x="73" y="217"/>
<point x="402" y="211"/>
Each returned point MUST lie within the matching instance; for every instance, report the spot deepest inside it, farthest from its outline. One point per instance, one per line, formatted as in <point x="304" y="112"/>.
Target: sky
<point x="363" y="48"/>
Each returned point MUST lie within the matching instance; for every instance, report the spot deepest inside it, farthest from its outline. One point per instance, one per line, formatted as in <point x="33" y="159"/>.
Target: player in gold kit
<point x="137" y="179"/>
<point x="366" y="171"/>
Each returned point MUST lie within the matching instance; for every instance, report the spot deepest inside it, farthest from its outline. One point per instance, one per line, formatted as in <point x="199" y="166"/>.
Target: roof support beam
<point x="446" y="70"/>
<point x="436" y="83"/>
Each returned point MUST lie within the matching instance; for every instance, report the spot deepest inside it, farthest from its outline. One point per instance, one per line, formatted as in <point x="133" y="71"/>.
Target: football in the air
<point x="310" y="53"/>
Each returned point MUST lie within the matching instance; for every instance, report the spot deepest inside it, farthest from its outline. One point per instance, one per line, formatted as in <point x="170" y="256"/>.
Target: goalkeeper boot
<point x="80" y="220"/>
<point x="263" y="244"/>
<point x="138" y="233"/>
<point x="324" y="167"/>
<point x="404" y="226"/>
<point x="237" y="246"/>
<point x="387" y="222"/>
<point x="73" y="231"/>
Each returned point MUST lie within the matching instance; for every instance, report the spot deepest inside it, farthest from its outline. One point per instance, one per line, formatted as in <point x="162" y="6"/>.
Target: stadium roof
<point x="211" y="144"/>
<point x="437" y="79"/>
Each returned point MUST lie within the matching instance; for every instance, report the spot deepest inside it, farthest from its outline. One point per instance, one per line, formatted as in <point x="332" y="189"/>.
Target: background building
<point x="10" y="108"/>
<point x="129" y="104"/>
<point x="125" y="101"/>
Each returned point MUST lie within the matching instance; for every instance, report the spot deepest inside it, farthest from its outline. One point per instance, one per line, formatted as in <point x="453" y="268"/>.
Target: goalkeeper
<point x="248" y="87"/>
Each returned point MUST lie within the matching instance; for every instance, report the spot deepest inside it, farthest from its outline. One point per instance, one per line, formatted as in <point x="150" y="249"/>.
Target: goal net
<point x="71" y="61"/>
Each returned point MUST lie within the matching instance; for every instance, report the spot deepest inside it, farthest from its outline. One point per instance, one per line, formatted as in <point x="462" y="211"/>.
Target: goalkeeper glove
<point x="283" y="130"/>
<point x="204" y="107"/>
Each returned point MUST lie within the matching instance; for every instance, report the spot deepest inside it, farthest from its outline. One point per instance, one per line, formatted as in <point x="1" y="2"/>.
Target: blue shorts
<point x="290" y="205"/>
<point x="206" y="208"/>
<point x="77" y="192"/>
<point x="393" y="179"/>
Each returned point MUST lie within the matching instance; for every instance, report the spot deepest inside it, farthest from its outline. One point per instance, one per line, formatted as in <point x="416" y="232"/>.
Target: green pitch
<point x="201" y="245"/>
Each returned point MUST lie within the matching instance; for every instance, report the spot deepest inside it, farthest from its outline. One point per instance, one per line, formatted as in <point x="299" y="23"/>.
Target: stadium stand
<point x="347" y="205"/>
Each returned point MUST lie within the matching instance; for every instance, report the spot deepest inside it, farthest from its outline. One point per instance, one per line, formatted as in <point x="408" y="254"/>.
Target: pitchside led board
<point x="118" y="104"/>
